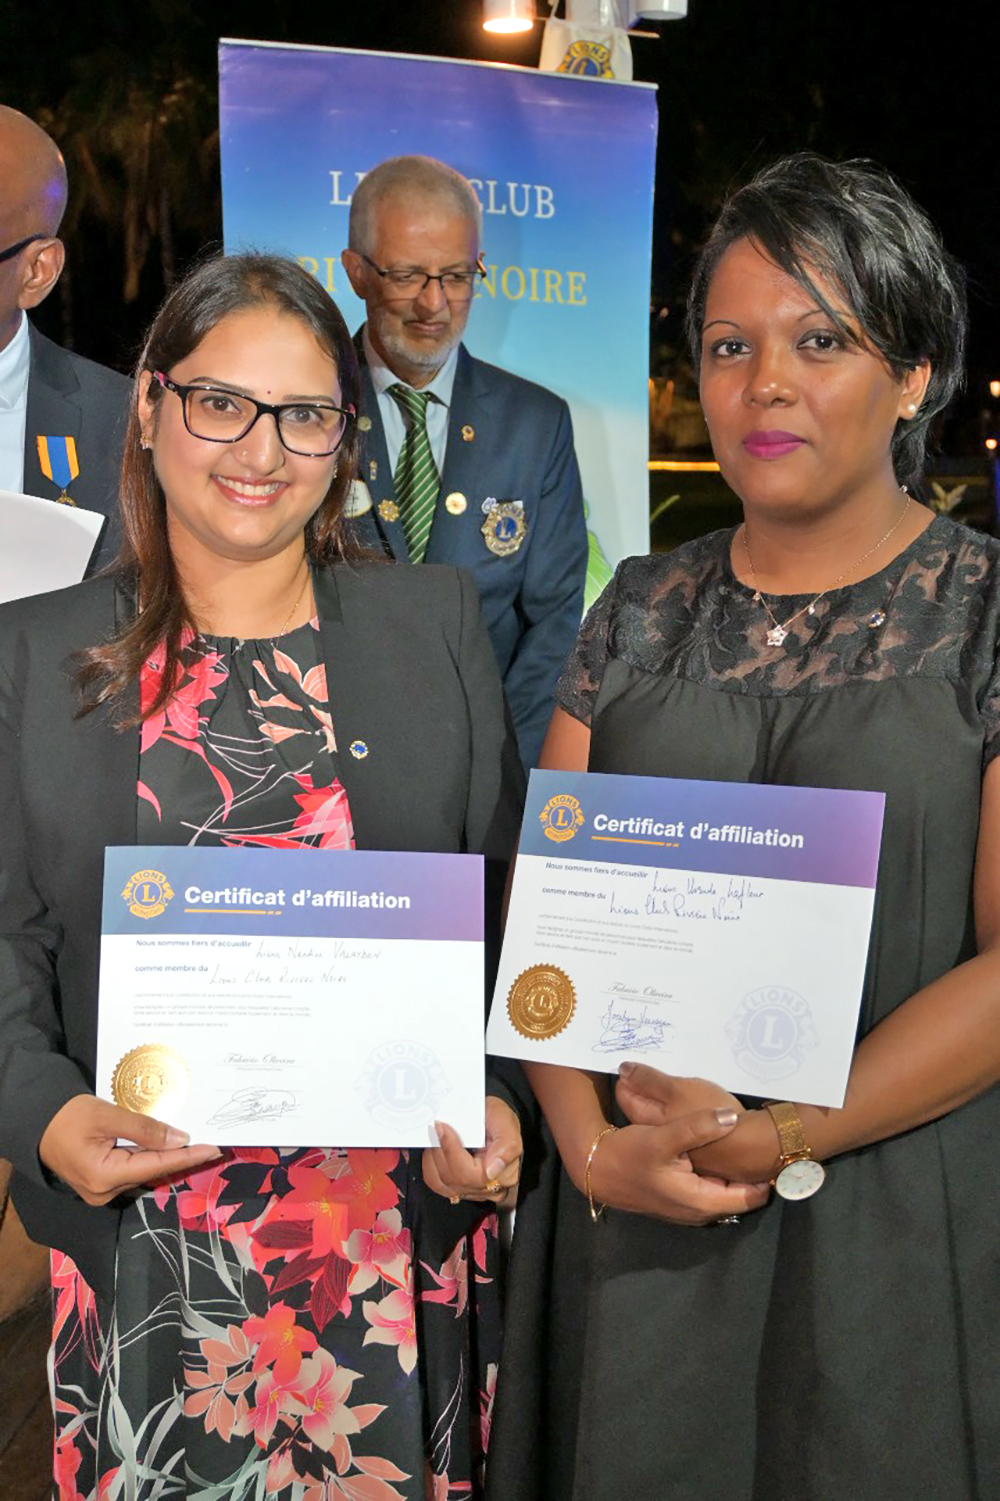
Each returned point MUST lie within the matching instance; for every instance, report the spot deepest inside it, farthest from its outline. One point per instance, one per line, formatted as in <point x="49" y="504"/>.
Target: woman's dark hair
<point x="856" y="226"/>
<point x="215" y="288"/>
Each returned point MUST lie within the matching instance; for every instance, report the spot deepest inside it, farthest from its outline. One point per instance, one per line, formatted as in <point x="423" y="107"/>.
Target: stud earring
<point x="144" y="443"/>
<point x="912" y="409"/>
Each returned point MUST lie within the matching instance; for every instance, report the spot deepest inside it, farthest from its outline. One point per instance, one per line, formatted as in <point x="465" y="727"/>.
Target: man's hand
<point x="79" y="1146"/>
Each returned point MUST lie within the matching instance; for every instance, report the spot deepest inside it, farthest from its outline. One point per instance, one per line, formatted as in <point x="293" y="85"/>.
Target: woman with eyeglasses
<point x="233" y="1323"/>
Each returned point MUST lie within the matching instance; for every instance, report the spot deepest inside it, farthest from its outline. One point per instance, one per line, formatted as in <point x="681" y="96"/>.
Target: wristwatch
<point x="799" y="1176"/>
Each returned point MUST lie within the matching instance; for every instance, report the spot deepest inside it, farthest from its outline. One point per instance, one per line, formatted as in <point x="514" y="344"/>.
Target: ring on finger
<point x="728" y="1219"/>
<point x="494" y="1186"/>
<point x="454" y="1198"/>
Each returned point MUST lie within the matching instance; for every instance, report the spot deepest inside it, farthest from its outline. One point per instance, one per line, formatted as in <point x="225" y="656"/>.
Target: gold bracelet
<point x="595" y="1213"/>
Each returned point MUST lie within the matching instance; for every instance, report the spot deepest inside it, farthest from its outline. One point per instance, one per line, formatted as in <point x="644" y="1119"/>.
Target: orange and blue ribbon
<point x="59" y="462"/>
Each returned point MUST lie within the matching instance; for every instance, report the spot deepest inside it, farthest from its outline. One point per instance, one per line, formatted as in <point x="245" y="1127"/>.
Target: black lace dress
<point x="845" y="1348"/>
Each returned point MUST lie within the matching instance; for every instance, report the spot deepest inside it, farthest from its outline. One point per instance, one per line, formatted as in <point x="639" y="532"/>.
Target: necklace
<point x="776" y="635"/>
<point x="298" y="601"/>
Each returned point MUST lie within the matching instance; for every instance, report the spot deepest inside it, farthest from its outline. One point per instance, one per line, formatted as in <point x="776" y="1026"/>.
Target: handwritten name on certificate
<point x="714" y="929"/>
<point x="257" y="997"/>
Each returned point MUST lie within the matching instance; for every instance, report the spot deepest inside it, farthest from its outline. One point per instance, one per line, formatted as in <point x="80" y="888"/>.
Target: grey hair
<point x="408" y="177"/>
<point x="860" y="229"/>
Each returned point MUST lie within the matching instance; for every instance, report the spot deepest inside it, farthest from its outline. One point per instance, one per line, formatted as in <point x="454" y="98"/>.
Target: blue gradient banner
<point x="564" y="169"/>
<point x="815" y="834"/>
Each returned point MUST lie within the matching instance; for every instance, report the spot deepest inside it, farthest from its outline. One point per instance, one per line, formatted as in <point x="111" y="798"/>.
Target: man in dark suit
<point x="461" y="462"/>
<point x="61" y="417"/>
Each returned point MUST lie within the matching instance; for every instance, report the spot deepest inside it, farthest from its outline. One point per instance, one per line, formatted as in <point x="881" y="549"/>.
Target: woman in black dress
<point x="314" y="1323"/>
<point x="839" y="1348"/>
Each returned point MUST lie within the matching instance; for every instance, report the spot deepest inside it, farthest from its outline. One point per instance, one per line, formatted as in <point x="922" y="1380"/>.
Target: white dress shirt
<point x="393" y="419"/>
<point x="15" y="358"/>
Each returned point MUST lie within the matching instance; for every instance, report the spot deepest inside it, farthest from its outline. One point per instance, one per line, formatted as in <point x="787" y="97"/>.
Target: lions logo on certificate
<point x="147" y="893"/>
<point x="402" y="1084"/>
<point x="561" y="817"/>
<point x="771" y="1032"/>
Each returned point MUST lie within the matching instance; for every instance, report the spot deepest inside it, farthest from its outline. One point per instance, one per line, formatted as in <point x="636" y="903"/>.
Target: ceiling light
<point x="508" y="15"/>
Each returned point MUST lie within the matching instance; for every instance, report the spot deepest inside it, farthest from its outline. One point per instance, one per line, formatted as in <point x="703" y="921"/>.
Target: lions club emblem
<point x="561" y="817"/>
<point x="147" y="893"/>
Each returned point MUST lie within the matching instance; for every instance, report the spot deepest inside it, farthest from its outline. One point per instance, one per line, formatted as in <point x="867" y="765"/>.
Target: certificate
<point x="713" y="929"/>
<point x="257" y="997"/>
<point x="43" y="545"/>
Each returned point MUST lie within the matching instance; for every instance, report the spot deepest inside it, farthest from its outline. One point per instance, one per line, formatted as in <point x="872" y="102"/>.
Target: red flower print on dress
<point x="74" y="1303"/>
<point x="381" y="1252"/>
<point x="393" y="1324"/>
<point x="272" y="1399"/>
<point x="321" y="1402"/>
<point x="325" y="819"/>
<point x="67" y="1460"/>
<point x="201" y="674"/>
<point x="317" y="1203"/>
<point x="218" y="1384"/>
<point x="281" y="1343"/>
<point x="452" y="1281"/>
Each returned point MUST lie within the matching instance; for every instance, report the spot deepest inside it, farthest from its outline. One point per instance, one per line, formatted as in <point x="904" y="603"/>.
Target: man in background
<point x="461" y="462"/>
<point x="61" y="417"/>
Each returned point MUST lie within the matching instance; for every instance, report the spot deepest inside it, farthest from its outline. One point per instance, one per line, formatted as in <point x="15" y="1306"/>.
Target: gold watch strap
<point x="788" y="1125"/>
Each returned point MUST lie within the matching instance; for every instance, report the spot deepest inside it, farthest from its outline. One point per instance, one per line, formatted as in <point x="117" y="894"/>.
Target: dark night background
<point x="129" y="92"/>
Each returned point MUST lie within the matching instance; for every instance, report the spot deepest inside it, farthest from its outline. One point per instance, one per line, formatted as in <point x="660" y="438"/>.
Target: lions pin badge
<point x="504" y="526"/>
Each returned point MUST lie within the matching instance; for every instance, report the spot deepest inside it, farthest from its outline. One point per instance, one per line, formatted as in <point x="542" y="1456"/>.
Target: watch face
<point x="801" y="1179"/>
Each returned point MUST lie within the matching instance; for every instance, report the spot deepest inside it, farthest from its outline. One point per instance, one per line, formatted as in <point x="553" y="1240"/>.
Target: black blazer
<point x="410" y="671"/>
<point x="72" y="397"/>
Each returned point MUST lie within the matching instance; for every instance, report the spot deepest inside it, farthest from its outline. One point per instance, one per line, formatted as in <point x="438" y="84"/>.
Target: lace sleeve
<point x="580" y="683"/>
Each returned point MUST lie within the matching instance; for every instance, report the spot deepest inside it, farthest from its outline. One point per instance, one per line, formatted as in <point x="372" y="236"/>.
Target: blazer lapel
<point x="101" y="764"/>
<point x="346" y="650"/>
<point x="53" y="410"/>
<point x="458" y="538"/>
<point x="375" y="472"/>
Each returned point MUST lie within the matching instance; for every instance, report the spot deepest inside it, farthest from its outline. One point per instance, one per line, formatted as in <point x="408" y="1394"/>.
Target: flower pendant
<point x="776" y="636"/>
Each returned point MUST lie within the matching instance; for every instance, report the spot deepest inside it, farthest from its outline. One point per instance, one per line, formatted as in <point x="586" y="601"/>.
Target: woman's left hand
<point x="650" y="1097"/>
<point x="489" y="1174"/>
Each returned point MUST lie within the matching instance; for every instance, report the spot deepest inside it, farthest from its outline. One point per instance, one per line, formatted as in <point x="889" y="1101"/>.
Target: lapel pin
<point x="455" y="503"/>
<point x="373" y="470"/>
<point x="504" y="527"/>
<point x="358" y="749"/>
<point x="364" y="424"/>
<point x="468" y="433"/>
<point x="388" y="510"/>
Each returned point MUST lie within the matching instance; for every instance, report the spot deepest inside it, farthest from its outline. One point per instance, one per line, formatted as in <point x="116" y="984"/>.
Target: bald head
<point x="32" y="200"/>
<point x="32" y="178"/>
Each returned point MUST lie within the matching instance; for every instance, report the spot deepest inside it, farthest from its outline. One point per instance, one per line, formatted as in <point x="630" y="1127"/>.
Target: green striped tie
<point x="416" y="480"/>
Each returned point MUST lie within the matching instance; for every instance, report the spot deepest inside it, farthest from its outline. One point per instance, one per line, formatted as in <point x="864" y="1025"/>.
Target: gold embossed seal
<point x="147" y="1074"/>
<point x="541" y="1001"/>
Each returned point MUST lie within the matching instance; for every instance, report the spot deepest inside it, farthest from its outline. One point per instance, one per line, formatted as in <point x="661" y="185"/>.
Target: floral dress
<point x="303" y="1324"/>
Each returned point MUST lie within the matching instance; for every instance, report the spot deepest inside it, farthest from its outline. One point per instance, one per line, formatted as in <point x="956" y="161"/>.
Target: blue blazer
<point x="72" y="397"/>
<point x="510" y="440"/>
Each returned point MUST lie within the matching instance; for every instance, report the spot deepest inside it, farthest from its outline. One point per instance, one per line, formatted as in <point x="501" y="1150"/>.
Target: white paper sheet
<point x="43" y="545"/>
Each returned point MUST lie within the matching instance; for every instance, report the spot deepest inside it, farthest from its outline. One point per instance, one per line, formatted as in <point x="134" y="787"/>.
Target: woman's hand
<point x="488" y="1174"/>
<point x="651" y="1098"/>
<point x="748" y="1154"/>
<point x="647" y="1170"/>
<point x="79" y="1146"/>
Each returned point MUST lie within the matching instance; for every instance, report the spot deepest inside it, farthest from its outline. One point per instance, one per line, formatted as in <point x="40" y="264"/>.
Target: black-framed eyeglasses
<point x="12" y="250"/>
<point x="410" y="281"/>
<point x="314" y="429"/>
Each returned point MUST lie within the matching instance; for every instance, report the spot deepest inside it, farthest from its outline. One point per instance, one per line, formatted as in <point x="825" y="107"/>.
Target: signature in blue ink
<point x="627" y="1029"/>
<point x="255" y="1105"/>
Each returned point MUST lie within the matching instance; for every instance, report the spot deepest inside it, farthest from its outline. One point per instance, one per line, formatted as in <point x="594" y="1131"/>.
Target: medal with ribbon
<point x="59" y="462"/>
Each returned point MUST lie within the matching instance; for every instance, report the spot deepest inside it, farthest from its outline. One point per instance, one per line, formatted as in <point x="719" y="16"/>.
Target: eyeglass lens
<point x="224" y="417"/>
